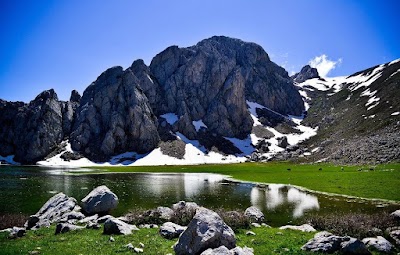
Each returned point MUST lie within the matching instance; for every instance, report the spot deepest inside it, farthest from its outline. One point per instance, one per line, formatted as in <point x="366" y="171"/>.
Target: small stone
<point x="279" y="233"/>
<point x="250" y="233"/>
<point x="138" y="250"/>
<point x="111" y="239"/>
<point x="130" y="246"/>
<point x="256" y="225"/>
<point x="141" y="245"/>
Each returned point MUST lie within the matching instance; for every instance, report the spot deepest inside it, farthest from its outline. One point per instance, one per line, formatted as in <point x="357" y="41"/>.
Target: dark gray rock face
<point x="307" y="72"/>
<point x="31" y="131"/>
<point x="114" y="117"/>
<point x="212" y="80"/>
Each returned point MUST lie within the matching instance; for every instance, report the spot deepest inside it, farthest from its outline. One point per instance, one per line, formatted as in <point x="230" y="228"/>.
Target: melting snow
<point x="198" y="124"/>
<point x="244" y="145"/>
<point x="171" y="118"/>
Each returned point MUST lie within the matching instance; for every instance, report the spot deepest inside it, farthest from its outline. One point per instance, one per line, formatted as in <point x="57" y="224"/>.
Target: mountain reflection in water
<point x="275" y="196"/>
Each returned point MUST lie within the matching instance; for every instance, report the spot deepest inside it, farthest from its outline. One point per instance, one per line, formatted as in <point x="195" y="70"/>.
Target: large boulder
<point x="378" y="243"/>
<point x="54" y="210"/>
<point x="113" y="226"/>
<point x="325" y="242"/>
<point x="99" y="200"/>
<point x="254" y="214"/>
<point x="114" y="117"/>
<point x="171" y="230"/>
<point x="206" y="230"/>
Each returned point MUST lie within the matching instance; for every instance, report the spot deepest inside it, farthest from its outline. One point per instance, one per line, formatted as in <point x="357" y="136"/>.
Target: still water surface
<point x="26" y="189"/>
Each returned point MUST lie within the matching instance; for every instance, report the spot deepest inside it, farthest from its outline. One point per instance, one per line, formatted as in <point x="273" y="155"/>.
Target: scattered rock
<point x="66" y="227"/>
<point x="118" y="227"/>
<point x="378" y="243"/>
<point x="148" y="226"/>
<point x="254" y="214"/>
<point x="326" y="242"/>
<point x="394" y="233"/>
<point x="250" y="233"/>
<point x="141" y="245"/>
<point x="354" y="246"/>
<point x="138" y="250"/>
<point x="165" y="213"/>
<point x="222" y="250"/>
<point x="104" y="218"/>
<point x="16" y="232"/>
<point x="92" y="218"/>
<point x="206" y="230"/>
<point x="183" y="205"/>
<point x="130" y="246"/>
<point x="303" y="228"/>
<point x="99" y="200"/>
<point x="396" y="214"/>
<point x="171" y="230"/>
<point x="256" y="225"/>
<point x="72" y="216"/>
<point x="54" y="210"/>
<point x="93" y="225"/>
<point x="323" y="242"/>
<point x="111" y="239"/>
<point x="282" y="142"/>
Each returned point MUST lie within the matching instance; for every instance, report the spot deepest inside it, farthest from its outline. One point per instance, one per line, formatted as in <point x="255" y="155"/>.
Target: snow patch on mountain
<point x="170" y="117"/>
<point x="198" y="124"/>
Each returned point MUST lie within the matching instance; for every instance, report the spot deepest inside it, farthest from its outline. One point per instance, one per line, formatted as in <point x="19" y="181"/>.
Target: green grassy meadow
<point x="374" y="182"/>
<point x="266" y="241"/>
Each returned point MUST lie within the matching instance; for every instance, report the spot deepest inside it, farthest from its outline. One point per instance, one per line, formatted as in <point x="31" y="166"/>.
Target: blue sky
<point x="67" y="44"/>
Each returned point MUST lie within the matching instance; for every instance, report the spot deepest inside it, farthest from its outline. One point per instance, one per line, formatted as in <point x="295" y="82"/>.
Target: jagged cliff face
<point x="31" y="131"/>
<point x="212" y="80"/>
<point x="210" y="83"/>
<point x="114" y="117"/>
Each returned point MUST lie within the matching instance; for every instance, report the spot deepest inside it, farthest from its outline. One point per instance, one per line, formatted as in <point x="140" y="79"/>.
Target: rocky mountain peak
<point x="45" y="95"/>
<point x="75" y="97"/>
<point x="307" y="72"/>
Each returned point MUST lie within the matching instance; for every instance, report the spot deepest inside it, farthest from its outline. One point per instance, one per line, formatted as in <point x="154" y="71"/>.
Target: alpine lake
<point x="25" y="189"/>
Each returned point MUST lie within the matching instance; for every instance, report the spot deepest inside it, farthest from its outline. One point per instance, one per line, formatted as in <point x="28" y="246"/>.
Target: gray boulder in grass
<point x="118" y="227"/>
<point x="206" y="230"/>
<point x="99" y="200"/>
<point x="254" y="214"/>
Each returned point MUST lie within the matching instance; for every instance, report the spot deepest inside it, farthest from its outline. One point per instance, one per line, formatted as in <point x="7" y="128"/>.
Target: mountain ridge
<point x="221" y="100"/>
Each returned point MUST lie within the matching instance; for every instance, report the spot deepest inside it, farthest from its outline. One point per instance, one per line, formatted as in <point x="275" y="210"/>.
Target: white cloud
<point x="324" y="65"/>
